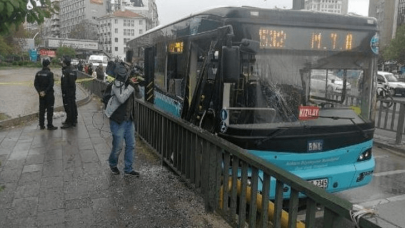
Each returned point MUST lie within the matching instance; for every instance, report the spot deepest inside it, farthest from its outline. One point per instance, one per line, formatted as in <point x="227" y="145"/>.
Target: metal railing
<point x="227" y="176"/>
<point x="391" y="119"/>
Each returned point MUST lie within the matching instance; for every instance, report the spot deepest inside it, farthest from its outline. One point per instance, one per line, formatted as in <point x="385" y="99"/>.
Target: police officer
<point x="44" y="85"/>
<point x="68" y="84"/>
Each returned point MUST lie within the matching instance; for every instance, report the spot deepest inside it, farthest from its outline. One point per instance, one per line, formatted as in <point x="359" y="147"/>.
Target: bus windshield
<point x="293" y="70"/>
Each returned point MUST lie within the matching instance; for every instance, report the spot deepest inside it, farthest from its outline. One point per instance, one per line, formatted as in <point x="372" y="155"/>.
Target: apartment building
<point x="386" y="13"/>
<point x="72" y="12"/>
<point x="117" y="28"/>
<point x="330" y="6"/>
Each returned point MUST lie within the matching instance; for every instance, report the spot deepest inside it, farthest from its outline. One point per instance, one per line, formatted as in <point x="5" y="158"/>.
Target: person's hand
<point x="42" y="94"/>
<point x="133" y="80"/>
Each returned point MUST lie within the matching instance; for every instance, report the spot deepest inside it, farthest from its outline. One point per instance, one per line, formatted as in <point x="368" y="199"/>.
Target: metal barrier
<point x="391" y="119"/>
<point x="219" y="170"/>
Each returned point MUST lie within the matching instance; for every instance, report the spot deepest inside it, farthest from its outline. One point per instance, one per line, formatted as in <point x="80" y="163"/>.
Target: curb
<point x="389" y="146"/>
<point x="31" y="117"/>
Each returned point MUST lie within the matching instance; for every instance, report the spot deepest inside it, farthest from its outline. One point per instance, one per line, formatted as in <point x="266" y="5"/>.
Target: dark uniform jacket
<point x="44" y="81"/>
<point x="68" y="80"/>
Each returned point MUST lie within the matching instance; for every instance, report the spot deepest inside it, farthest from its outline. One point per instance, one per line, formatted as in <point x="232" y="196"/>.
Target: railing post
<point x="400" y="127"/>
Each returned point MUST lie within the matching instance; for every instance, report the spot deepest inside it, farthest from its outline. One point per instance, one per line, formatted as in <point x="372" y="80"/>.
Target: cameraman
<point x="120" y="112"/>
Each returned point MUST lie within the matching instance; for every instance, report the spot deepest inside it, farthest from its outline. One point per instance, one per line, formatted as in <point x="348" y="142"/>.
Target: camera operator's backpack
<point x="107" y="94"/>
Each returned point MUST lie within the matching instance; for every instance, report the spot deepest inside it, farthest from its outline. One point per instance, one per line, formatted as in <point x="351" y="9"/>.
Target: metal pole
<point x="400" y="127"/>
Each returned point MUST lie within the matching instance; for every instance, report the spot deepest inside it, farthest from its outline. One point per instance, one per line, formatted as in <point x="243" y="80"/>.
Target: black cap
<point x="45" y="62"/>
<point x="67" y="60"/>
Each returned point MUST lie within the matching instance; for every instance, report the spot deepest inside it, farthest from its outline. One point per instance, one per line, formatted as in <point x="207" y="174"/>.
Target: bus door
<point x="149" y="74"/>
<point x="202" y="92"/>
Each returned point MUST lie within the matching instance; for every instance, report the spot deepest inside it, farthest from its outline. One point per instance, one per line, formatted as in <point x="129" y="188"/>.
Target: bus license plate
<point x="322" y="183"/>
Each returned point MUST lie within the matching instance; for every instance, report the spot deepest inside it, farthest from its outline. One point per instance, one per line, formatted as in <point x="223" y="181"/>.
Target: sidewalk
<point x="61" y="179"/>
<point x="386" y="139"/>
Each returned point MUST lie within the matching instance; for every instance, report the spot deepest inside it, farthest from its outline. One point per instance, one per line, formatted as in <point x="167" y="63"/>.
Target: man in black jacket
<point x="44" y="85"/>
<point x="68" y="84"/>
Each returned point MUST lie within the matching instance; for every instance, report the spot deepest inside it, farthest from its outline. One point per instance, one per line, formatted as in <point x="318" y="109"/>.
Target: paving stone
<point x="34" y="159"/>
<point x="51" y="182"/>
<point x="27" y="178"/>
<point x="24" y="207"/>
<point x="52" y="168"/>
<point x="51" y="199"/>
<point x="81" y="217"/>
<point x="32" y="168"/>
<point x="27" y="190"/>
<point x="53" y="218"/>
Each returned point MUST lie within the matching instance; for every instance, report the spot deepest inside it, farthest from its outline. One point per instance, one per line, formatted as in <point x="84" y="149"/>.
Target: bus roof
<point x="275" y="17"/>
<point x="297" y="16"/>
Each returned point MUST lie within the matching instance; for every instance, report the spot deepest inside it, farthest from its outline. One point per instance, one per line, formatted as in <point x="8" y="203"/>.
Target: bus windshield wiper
<point x="273" y="135"/>
<point x="346" y="118"/>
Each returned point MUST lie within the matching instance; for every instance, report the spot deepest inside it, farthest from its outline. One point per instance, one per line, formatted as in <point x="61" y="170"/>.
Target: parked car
<point x="333" y="84"/>
<point x="394" y="85"/>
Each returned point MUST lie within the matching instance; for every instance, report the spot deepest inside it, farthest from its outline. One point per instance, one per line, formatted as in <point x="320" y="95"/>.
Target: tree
<point x="65" y="51"/>
<point x="395" y="51"/>
<point x="84" y="30"/>
<point x="5" y="49"/>
<point x="13" y="13"/>
<point x="14" y="42"/>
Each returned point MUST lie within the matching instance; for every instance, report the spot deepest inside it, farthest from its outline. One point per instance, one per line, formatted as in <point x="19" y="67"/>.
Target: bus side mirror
<point x="230" y="62"/>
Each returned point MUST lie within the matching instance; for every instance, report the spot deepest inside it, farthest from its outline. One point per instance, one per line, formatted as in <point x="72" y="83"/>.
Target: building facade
<point x="116" y="29"/>
<point x="386" y="13"/>
<point x="72" y="12"/>
<point x="146" y="8"/>
<point x="401" y="12"/>
<point x="330" y="6"/>
<point x="50" y="27"/>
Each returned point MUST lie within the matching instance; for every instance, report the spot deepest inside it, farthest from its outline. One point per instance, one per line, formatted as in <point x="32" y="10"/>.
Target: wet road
<point x="18" y="95"/>
<point x="387" y="189"/>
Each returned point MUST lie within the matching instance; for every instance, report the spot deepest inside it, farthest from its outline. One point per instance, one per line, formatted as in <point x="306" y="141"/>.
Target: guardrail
<point x="227" y="176"/>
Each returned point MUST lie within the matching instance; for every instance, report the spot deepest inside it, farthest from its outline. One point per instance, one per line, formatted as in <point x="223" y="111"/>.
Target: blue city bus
<point x="282" y="84"/>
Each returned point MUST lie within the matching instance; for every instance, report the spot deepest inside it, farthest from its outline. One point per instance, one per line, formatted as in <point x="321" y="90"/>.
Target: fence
<point x="227" y="176"/>
<point x="391" y="119"/>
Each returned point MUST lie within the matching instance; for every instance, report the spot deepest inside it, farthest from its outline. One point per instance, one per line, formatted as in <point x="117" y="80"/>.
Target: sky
<point x="172" y="10"/>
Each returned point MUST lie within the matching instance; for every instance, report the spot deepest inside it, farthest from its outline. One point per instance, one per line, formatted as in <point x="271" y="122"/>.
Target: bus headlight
<point x="364" y="156"/>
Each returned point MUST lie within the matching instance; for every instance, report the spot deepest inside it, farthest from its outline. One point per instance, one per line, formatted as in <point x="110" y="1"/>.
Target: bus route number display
<point x="310" y="39"/>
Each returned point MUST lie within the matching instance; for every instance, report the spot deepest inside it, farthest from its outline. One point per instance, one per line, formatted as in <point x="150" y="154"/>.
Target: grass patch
<point x="3" y="116"/>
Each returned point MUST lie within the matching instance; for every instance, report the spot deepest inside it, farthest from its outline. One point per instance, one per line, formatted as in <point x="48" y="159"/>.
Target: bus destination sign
<point x="291" y="38"/>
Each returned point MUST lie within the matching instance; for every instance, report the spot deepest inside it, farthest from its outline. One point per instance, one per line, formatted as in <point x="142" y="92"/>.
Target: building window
<point x="116" y="30"/>
<point x="116" y="40"/>
<point x="140" y="22"/>
<point x="132" y="32"/>
<point x="116" y="48"/>
<point x="140" y="31"/>
<point x="116" y="21"/>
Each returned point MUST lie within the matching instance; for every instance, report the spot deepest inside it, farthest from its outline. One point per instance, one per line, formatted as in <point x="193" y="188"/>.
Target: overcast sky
<point x="171" y="10"/>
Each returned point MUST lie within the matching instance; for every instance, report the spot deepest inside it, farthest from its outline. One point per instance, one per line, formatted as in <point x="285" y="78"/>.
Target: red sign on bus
<point x="308" y="113"/>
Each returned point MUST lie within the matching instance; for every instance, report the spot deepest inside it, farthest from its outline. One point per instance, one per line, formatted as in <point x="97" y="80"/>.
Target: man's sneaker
<point x="115" y="170"/>
<point x="132" y="173"/>
<point x="51" y="128"/>
<point x="42" y="127"/>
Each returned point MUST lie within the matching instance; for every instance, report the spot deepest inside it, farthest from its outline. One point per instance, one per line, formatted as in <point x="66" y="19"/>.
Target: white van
<point x="95" y="60"/>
